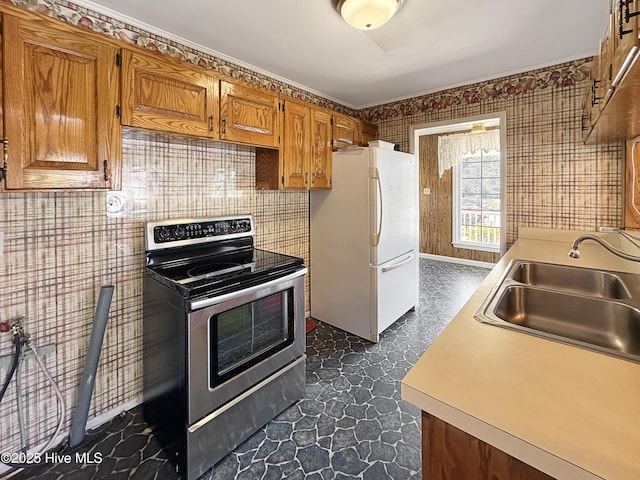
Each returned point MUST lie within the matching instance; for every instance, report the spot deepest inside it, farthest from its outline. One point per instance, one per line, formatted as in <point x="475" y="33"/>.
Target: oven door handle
<point x="207" y="302"/>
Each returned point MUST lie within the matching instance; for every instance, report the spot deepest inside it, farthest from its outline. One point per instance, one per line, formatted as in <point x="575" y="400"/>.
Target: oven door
<point x="236" y="340"/>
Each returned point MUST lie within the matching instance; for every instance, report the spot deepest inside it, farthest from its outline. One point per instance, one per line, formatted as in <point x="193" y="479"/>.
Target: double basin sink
<point x="589" y="308"/>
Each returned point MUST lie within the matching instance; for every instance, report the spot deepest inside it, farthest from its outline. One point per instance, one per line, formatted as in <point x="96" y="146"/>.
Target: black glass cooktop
<point x="201" y="272"/>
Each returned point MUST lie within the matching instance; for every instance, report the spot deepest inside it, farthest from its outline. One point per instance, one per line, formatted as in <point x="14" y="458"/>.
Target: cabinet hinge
<point x="118" y="111"/>
<point x="107" y="171"/>
<point x="283" y="180"/>
<point x="331" y="120"/>
<point x="283" y="105"/>
<point x="5" y="154"/>
<point x="118" y="60"/>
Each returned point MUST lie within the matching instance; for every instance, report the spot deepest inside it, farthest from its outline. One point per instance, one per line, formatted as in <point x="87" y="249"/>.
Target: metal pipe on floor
<point x="87" y="381"/>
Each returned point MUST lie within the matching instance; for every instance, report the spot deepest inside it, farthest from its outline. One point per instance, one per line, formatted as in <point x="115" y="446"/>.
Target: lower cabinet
<point x="448" y="453"/>
<point x="632" y="187"/>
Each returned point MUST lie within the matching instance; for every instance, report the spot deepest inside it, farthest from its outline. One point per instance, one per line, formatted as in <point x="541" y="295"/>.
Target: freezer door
<point x="394" y="291"/>
<point x="393" y="200"/>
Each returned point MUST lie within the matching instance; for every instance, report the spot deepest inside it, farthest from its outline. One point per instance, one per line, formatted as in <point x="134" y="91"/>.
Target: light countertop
<point x="569" y="412"/>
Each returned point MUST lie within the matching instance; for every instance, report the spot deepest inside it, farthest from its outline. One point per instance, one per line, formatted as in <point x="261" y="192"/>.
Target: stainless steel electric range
<point x="224" y="336"/>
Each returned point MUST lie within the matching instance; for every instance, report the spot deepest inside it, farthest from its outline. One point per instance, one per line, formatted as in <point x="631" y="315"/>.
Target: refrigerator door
<point x="394" y="291"/>
<point x="393" y="200"/>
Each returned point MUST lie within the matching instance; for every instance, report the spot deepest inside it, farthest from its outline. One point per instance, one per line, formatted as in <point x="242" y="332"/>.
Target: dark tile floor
<point x="351" y="424"/>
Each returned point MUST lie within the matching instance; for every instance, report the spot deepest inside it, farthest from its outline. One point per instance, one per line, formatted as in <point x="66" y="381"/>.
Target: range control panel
<point x="193" y="231"/>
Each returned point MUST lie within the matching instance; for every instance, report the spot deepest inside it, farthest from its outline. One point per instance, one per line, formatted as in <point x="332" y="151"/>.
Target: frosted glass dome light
<point x="368" y="14"/>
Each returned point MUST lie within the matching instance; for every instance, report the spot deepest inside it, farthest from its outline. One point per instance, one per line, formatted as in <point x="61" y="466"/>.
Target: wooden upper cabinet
<point x="304" y="159"/>
<point x="345" y="131"/>
<point x="320" y="165"/>
<point x="61" y="90"/>
<point x="296" y="139"/>
<point x="248" y="114"/>
<point x="615" y="82"/>
<point x="165" y="94"/>
<point x="624" y="36"/>
<point x="367" y="132"/>
<point x="306" y="156"/>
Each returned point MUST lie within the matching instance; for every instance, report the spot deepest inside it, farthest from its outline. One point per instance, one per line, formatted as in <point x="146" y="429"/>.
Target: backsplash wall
<point x="61" y="247"/>
<point x="553" y="179"/>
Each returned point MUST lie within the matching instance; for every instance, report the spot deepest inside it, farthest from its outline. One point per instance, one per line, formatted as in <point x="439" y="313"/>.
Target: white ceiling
<point x="428" y="46"/>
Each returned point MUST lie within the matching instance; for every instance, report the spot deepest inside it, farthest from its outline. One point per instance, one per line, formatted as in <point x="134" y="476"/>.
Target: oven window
<point x="244" y="335"/>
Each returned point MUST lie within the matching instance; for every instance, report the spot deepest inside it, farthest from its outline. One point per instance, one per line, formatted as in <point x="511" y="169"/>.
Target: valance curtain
<point x="452" y="147"/>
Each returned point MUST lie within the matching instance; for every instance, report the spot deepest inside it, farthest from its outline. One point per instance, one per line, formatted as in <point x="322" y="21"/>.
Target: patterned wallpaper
<point x="82" y="17"/>
<point x="553" y="179"/>
<point x="59" y="248"/>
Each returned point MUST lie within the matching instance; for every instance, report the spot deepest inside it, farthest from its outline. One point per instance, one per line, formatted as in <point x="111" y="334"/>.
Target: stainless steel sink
<point x="594" y="309"/>
<point x="573" y="279"/>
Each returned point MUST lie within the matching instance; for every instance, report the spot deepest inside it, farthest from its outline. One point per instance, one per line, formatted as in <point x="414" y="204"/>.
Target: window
<point x="476" y="201"/>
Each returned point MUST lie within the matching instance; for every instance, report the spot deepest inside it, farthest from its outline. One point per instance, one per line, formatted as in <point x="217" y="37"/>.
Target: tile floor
<point x="352" y="423"/>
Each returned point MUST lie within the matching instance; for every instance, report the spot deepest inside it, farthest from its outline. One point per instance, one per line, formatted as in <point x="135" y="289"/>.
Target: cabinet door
<point x="320" y="166"/>
<point x="345" y="131"/>
<point x="60" y="97"/>
<point x="161" y="93"/>
<point x="625" y="36"/>
<point x="296" y="133"/>
<point x="248" y="114"/>
<point x="368" y="132"/>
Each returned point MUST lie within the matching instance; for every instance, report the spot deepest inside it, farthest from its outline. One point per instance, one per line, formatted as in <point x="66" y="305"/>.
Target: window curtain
<point x="452" y="147"/>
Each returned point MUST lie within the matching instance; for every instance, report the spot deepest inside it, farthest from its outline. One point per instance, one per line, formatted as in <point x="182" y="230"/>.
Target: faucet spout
<point x="575" y="249"/>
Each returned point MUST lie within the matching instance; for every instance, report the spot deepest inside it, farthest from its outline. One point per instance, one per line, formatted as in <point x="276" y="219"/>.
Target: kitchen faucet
<point x="575" y="251"/>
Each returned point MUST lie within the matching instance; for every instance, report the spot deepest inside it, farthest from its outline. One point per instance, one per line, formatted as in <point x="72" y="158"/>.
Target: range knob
<point x="163" y="234"/>
<point x="179" y="232"/>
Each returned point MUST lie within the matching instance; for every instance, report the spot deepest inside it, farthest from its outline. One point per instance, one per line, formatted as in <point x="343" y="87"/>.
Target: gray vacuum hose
<point x="87" y="381"/>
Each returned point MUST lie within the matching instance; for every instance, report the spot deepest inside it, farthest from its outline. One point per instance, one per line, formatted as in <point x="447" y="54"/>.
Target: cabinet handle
<point x="224" y="125"/>
<point x="211" y="123"/>
<point x="628" y="15"/>
<point x="595" y="99"/>
<point x="5" y="159"/>
<point x="107" y="172"/>
<point x="621" y="17"/>
<point x="313" y="176"/>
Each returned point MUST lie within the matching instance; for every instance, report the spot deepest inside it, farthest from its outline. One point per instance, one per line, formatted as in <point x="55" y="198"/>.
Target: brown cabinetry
<point x="624" y="37"/>
<point x="611" y="109"/>
<point x="248" y="114"/>
<point x="632" y="187"/>
<point x="367" y="132"/>
<point x="161" y="93"/>
<point x="59" y="105"/>
<point x="345" y="131"/>
<point x="320" y="159"/>
<point x="304" y="159"/>
<point x="450" y="453"/>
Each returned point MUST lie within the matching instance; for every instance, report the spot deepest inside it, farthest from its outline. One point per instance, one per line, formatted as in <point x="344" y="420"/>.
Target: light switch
<point x="426" y="191"/>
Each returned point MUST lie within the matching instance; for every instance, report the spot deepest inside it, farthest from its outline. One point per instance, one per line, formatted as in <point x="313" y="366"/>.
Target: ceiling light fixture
<point x="367" y="14"/>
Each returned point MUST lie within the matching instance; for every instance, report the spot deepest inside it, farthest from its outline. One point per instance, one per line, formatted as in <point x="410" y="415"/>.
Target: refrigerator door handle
<point x="375" y="237"/>
<point x="396" y="265"/>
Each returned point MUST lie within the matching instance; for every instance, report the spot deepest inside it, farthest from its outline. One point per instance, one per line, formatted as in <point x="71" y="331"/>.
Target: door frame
<point x="465" y="123"/>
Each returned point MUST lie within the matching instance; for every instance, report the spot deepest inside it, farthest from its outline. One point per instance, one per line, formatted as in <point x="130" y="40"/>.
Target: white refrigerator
<point x="364" y="241"/>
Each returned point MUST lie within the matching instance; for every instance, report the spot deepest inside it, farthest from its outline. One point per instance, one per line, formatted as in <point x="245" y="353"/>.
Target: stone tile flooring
<point x="352" y="423"/>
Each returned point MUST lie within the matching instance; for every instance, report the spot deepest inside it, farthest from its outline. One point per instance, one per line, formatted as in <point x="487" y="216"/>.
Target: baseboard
<point x="463" y="261"/>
